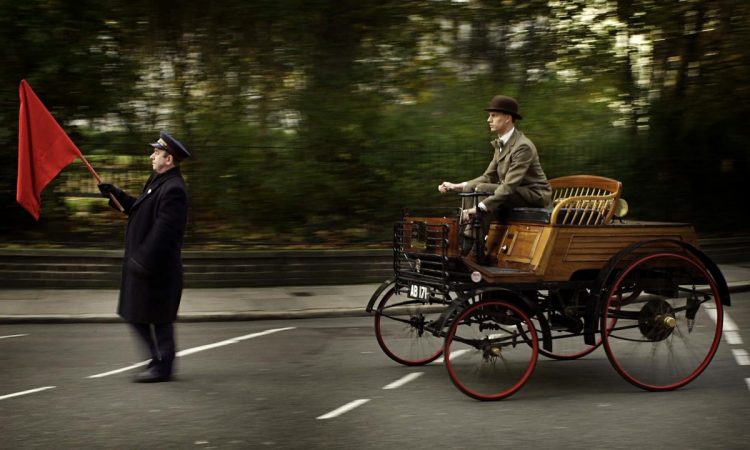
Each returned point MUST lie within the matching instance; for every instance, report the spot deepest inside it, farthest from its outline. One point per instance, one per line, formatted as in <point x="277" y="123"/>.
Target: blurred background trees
<point x="316" y="122"/>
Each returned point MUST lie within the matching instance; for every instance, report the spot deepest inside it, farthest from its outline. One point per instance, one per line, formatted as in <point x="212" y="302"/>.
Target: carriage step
<point x="504" y="271"/>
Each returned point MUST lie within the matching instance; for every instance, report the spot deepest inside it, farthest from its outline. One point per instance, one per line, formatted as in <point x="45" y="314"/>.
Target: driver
<point x="514" y="177"/>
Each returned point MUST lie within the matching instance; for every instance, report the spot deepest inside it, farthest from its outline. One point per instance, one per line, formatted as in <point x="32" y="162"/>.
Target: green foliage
<point x="319" y="121"/>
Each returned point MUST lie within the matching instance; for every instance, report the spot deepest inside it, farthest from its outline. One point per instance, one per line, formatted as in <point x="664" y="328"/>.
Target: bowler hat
<point x="503" y="103"/>
<point x="172" y="146"/>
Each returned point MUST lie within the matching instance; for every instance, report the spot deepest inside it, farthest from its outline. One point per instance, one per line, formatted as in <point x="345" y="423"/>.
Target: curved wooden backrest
<point x="584" y="199"/>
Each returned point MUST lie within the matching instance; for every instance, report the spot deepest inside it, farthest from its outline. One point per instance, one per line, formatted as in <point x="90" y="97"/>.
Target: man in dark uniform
<point x="151" y="285"/>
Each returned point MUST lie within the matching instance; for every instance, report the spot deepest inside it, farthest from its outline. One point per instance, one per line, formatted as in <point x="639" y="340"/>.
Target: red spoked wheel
<point x="662" y="321"/>
<point x="402" y="329"/>
<point x="491" y="350"/>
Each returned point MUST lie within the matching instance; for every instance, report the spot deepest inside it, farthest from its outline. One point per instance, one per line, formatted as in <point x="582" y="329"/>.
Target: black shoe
<point x="152" y="376"/>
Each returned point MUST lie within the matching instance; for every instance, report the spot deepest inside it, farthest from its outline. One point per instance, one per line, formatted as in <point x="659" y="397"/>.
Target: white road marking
<point x="741" y="356"/>
<point x="12" y="336"/>
<point x="454" y="355"/>
<point x="403" y="380"/>
<point x="190" y="351"/>
<point x="124" y="369"/>
<point x="747" y="380"/>
<point x="729" y="327"/>
<point x="30" y="391"/>
<point x="343" y="409"/>
<point x="729" y="324"/>
<point x="733" y="337"/>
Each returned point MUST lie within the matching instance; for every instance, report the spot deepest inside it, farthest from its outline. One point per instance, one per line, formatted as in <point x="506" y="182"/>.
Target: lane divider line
<point x="729" y="328"/>
<point x="741" y="356"/>
<point x="124" y="369"/>
<point x="13" y="335"/>
<point x="235" y="340"/>
<point x="30" y="391"/>
<point x="403" y="380"/>
<point x="343" y="409"/>
<point x="190" y="351"/>
<point x="733" y="338"/>
<point x="729" y="324"/>
<point x="454" y="354"/>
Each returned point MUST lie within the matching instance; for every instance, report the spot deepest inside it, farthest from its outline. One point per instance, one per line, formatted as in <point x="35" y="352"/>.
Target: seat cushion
<point x="543" y="215"/>
<point x="528" y="214"/>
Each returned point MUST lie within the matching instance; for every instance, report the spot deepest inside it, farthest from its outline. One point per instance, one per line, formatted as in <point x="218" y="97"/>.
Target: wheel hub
<point x="417" y="322"/>
<point x="657" y="320"/>
<point x="492" y="352"/>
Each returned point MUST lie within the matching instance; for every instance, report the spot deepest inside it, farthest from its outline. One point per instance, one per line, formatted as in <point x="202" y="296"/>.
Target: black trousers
<point x="158" y="343"/>
<point x="521" y="197"/>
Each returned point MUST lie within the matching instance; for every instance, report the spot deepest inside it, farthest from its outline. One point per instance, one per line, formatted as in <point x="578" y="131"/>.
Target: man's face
<point x="161" y="161"/>
<point x="499" y="122"/>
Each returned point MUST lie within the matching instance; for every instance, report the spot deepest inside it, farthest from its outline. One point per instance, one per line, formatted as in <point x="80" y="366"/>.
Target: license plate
<point x="419" y="292"/>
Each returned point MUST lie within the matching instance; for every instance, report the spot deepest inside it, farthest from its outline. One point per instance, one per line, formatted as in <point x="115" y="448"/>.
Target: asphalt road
<point x="320" y="383"/>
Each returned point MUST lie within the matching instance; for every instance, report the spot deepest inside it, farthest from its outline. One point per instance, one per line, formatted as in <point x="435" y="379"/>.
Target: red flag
<point x="43" y="149"/>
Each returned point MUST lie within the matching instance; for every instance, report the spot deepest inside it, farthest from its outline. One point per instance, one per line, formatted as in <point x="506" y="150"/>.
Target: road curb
<point x="230" y="316"/>
<point x="224" y="316"/>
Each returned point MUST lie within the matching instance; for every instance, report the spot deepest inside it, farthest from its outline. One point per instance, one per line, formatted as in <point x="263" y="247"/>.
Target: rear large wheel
<point x="491" y="350"/>
<point x="662" y="321"/>
<point x="401" y="328"/>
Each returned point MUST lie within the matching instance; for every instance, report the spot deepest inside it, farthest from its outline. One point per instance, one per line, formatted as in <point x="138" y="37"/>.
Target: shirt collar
<point x="506" y="137"/>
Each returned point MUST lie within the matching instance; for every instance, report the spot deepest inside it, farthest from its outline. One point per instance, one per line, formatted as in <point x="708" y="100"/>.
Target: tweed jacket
<point x="514" y="176"/>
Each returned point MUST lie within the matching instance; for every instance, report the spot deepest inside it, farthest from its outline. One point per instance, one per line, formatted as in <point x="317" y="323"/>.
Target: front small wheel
<point x="662" y="321"/>
<point x="402" y="329"/>
<point x="491" y="350"/>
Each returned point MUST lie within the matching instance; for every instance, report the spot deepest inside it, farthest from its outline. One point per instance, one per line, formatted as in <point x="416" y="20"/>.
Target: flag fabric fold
<point x="44" y="149"/>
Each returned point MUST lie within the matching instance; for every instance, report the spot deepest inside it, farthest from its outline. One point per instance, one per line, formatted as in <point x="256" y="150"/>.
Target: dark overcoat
<point x="152" y="267"/>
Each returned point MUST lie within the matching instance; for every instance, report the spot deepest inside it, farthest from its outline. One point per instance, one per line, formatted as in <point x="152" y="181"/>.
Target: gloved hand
<point x="107" y="188"/>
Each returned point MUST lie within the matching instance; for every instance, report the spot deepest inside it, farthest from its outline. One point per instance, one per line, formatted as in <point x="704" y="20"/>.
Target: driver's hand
<point x="446" y="186"/>
<point x="467" y="214"/>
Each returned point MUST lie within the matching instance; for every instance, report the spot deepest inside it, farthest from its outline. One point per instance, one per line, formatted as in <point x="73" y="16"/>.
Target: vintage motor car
<point x="557" y="281"/>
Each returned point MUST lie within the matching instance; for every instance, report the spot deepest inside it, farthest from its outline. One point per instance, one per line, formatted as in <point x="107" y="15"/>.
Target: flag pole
<point x="99" y="180"/>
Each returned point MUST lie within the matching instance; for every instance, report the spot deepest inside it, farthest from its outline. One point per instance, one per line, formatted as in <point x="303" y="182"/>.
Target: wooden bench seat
<point x="577" y="200"/>
<point x="584" y="200"/>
